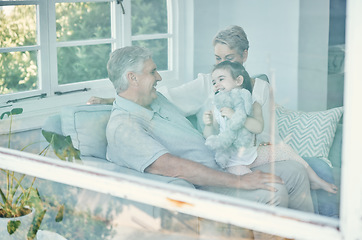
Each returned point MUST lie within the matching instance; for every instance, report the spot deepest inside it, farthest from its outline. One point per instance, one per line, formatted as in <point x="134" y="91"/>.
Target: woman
<point x="195" y="97"/>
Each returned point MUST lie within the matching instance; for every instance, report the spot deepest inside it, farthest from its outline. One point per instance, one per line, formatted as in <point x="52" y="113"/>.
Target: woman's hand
<point x="98" y="100"/>
<point x="207" y="118"/>
<point x="227" y="112"/>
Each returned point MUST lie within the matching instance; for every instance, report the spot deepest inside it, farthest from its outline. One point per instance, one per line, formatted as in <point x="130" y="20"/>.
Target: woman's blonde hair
<point x="234" y="37"/>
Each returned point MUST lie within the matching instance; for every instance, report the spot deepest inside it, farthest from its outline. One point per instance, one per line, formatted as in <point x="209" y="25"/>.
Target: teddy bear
<point x="233" y="136"/>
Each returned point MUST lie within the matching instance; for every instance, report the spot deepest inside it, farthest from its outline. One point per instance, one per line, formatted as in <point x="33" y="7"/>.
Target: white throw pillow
<point x="86" y="126"/>
<point x="310" y="134"/>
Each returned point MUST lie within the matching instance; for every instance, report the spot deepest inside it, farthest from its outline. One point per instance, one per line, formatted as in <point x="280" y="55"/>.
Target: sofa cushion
<point x="86" y="125"/>
<point x="310" y="134"/>
<point x="53" y="124"/>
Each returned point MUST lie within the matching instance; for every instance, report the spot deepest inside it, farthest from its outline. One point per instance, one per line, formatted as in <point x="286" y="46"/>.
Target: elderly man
<point x="149" y="134"/>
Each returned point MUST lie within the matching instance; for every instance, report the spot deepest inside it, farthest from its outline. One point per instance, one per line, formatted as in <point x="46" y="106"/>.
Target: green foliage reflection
<point x="149" y="17"/>
<point x="83" y="20"/>
<point x="18" y="70"/>
<point x="75" y="21"/>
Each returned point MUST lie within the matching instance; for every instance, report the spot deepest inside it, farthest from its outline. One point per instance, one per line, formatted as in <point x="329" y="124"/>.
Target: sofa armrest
<point x="335" y="152"/>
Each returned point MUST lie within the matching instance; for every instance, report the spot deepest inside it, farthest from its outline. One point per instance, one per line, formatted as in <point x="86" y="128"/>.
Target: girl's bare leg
<point x="282" y="151"/>
<point x="317" y="183"/>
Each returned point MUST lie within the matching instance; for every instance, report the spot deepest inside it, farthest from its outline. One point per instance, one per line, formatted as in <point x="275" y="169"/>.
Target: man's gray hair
<point x="125" y="60"/>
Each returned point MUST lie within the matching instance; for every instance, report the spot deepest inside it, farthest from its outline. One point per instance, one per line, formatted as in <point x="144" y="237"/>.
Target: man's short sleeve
<point x="130" y="144"/>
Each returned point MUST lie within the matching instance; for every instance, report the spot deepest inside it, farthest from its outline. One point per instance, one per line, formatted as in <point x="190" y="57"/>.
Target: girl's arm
<point x="211" y="126"/>
<point x="255" y="124"/>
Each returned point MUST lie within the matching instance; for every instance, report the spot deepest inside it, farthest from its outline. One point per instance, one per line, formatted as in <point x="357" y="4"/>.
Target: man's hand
<point x="259" y="180"/>
<point x="227" y="112"/>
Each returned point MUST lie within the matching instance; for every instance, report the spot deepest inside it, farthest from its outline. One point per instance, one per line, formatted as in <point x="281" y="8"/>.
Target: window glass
<point x="84" y="37"/>
<point x="63" y="211"/>
<point x="82" y="63"/>
<point x="159" y="49"/>
<point x="149" y="17"/>
<point x="18" y="72"/>
<point x="17" y="25"/>
<point x="83" y="20"/>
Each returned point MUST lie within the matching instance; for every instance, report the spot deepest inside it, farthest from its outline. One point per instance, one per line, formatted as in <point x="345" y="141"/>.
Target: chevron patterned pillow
<point x="310" y="134"/>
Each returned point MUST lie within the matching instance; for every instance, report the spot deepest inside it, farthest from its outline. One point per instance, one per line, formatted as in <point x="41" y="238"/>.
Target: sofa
<point x="85" y="127"/>
<point x="86" y="124"/>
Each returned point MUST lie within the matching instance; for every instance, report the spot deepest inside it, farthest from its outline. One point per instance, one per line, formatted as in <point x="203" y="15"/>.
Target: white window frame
<point x="37" y="109"/>
<point x="282" y="222"/>
<point x="54" y="45"/>
<point x="37" y="47"/>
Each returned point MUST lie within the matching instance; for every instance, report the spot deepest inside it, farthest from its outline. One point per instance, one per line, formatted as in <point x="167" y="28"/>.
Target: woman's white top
<point x="196" y="97"/>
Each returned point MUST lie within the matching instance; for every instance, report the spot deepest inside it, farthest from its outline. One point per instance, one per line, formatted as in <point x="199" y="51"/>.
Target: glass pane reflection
<point x="159" y="49"/>
<point x="76" y="213"/>
<point x="82" y="63"/>
<point x="76" y="21"/>
<point x="18" y="72"/>
<point x="149" y="17"/>
<point x="17" y="25"/>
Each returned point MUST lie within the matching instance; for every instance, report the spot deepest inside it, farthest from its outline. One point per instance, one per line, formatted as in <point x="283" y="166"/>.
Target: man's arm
<point x="198" y="174"/>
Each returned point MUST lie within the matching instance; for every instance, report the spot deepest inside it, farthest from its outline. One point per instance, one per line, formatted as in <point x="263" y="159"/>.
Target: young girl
<point x="235" y="147"/>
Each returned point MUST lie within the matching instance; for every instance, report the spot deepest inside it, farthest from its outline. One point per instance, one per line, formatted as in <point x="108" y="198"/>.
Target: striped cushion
<point x="310" y="134"/>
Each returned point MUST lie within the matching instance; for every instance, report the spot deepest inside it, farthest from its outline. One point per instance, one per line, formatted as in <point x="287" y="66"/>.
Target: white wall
<point x="313" y="54"/>
<point x="276" y="41"/>
<point x="206" y="25"/>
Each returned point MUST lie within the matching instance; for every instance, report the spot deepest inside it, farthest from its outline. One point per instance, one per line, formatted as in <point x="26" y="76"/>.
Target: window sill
<point x="36" y="111"/>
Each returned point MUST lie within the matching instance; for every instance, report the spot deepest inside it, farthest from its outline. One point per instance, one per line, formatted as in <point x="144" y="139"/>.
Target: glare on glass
<point x="17" y="26"/>
<point x="18" y="72"/>
<point x="82" y="63"/>
<point x="149" y="17"/>
<point x="83" y="20"/>
<point x="159" y="49"/>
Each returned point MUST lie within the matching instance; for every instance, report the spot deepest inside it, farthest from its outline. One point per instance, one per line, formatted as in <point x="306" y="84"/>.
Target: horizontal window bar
<point x="85" y="42"/>
<point x="220" y="208"/>
<point x="5" y="106"/>
<point x="71" y="91"/>
<point x="9" y="3"/>
<point x="43" y="95"/>
<point x="20" y="49"/>
<point x="61" y="1"/>
<point x="150" y="36"/>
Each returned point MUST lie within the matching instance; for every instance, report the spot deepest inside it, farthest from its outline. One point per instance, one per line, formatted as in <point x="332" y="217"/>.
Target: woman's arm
<point x="99" y="100"/>
<point x="255" y="124"/>
<point x="191" y="96"/>
<point x="211" y="126"/>
<point x="188" y="97"/>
